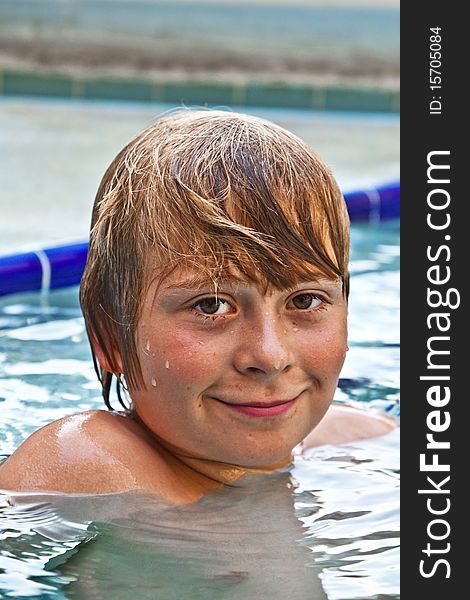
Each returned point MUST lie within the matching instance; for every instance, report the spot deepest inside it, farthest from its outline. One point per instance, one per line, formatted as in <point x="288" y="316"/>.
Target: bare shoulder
<point x="94" y="451"/>
<point x="343" y="424"/>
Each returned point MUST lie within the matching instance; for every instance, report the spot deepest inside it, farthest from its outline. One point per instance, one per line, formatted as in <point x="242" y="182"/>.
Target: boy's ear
<point x="103" y="358"/>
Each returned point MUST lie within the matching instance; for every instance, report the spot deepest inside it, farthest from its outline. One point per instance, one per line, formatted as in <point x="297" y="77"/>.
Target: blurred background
<point x="303" y="41"/>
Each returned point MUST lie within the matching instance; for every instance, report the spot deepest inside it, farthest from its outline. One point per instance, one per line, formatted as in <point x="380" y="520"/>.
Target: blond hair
<point x="209" y="190"/>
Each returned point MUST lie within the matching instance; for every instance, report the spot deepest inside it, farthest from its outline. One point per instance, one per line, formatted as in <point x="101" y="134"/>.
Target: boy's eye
<point x="305" y="301"/>
<point x="213" y="306"/>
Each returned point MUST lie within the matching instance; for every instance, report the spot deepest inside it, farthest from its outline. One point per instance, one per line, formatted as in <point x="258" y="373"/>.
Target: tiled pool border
<point x="338" y="97"/>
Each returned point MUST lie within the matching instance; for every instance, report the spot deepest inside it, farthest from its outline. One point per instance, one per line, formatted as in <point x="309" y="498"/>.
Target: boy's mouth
<point x="262" y="409"/>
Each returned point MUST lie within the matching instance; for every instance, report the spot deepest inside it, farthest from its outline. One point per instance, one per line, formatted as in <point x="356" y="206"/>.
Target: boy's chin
<point x="265" y="452"/>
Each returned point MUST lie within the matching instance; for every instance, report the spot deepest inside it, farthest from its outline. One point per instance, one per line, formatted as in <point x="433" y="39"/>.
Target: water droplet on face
<point x="167" y="364"/>
<point x="147" y="345"/>
<point x="154" y="382"/>
<point x="295" y="328"/>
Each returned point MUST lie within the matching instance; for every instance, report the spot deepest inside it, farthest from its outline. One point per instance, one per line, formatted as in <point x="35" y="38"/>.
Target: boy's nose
<point x="264" y="348"/>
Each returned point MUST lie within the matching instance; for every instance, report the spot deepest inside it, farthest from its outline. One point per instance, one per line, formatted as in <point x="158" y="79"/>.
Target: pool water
<point x="326" y="527"/>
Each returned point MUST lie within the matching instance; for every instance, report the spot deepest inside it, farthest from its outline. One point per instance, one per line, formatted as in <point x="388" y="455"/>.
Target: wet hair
<point x="210" y="190"/>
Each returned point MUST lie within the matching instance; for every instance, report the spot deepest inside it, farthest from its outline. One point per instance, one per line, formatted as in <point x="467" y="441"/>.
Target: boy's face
<point x="240" y="377"/>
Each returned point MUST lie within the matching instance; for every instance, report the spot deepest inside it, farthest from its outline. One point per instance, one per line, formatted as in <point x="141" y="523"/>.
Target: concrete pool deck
<point x="56" y="151"/>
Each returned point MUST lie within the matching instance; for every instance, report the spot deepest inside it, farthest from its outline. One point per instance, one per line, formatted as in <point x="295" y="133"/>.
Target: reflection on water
<point x="327" y="527"/>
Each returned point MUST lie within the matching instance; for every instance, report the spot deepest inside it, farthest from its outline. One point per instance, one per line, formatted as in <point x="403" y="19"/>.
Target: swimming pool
<point x="335" y="510"/>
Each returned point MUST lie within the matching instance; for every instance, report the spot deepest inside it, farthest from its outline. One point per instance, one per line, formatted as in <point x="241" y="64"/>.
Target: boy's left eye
<point x="212" y="306"/>
<point x="305" y="301"/>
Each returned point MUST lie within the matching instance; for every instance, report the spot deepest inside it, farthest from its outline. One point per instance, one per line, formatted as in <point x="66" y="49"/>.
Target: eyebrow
<point x="198" y="281"/>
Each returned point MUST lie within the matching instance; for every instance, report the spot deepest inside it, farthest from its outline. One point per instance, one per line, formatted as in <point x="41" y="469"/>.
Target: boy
<point x="215" y="292"/>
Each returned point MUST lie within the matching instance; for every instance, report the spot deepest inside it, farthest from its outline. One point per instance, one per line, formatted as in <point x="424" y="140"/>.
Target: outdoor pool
<point x="326" y="527"/>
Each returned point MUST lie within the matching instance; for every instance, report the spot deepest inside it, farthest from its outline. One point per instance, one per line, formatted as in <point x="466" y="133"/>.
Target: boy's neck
<point x="225" y="473"/>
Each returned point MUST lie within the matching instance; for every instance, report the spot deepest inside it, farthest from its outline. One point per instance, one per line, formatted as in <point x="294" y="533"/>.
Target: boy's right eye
<point x="212" y="306"/>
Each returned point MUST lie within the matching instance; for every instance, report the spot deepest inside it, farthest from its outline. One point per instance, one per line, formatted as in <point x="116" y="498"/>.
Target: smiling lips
<point x="262" y="409"/>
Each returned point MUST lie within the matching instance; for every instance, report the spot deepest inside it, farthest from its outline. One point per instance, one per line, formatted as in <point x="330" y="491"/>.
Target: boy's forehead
<point x="187" y="278"/>
<point x="192" y="281"/>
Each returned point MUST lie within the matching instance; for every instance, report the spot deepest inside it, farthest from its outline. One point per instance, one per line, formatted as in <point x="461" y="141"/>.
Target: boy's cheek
<point x="188" y="357"/>
<point x="325" y="350"/>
